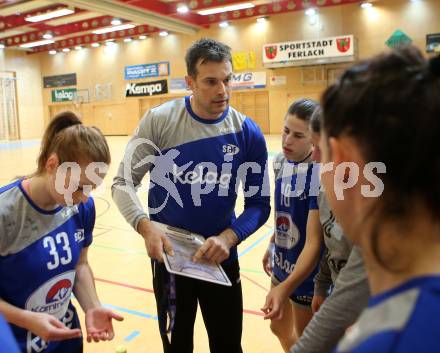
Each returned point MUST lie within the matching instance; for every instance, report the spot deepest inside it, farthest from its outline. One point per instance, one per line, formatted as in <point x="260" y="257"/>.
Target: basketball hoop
<point x="79" y="97"/>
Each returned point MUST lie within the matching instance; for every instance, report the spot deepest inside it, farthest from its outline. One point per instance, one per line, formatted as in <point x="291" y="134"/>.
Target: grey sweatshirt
<point x="338" y="248"/>
<point x="340" y="310"/>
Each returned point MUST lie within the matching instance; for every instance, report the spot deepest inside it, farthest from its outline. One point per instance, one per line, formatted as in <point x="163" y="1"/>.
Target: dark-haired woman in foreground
<point x="387" y="110"/>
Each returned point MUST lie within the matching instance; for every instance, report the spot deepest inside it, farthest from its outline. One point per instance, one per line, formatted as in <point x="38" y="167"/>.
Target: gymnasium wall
<point x="120" y="115"/>
<point x="29" y="90"/>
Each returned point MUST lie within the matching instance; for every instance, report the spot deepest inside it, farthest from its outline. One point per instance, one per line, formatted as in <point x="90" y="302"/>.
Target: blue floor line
<point x="132" y="336"/>
<point x="132" y="312"/>
<point x="255" y="243"/>
<point x="18" y="144"/>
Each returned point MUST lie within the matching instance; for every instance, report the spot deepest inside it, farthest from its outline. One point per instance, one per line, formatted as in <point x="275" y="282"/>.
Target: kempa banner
<point x="63" y="95"/>
<point x="146" y="88"/>
<point x="310" y="52"/>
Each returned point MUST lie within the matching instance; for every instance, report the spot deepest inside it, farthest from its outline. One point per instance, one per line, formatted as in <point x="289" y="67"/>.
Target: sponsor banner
<point x="309" y="52"/>
<point x="278" y="80"/>
<point x="63" y="95"/>
<point x="178" y="85"/>
<point x="147" y="70"/>
<point x="146" y="88"/>
<point x="59" y="80"/>
<point x="245" y="80"/>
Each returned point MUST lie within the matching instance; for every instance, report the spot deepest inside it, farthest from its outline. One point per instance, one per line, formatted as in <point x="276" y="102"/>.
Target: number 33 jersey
<point x="39" y="251"/>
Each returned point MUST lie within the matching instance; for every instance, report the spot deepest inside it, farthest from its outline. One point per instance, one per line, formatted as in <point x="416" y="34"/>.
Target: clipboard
<point x="185" y="244"/>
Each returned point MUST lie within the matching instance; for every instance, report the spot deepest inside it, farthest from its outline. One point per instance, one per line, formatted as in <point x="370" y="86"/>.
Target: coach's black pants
<point x="221" y="307"/>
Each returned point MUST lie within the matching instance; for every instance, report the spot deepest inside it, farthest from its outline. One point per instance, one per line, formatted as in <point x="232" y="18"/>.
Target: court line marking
<point x="254" y="282"/>
<point x="138" y="313"/>
<point x="255" y="243"/>
<point x="129" y="311"/>
<point x="132" y="336"/>
<point x="124" y="285"/>
<point x="18" y="144"/>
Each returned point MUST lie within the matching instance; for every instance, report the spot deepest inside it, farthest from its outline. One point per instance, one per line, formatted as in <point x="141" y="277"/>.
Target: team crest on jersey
<point x="53" y="296"/>
<point x="79" y="235"/>
<point x="230" y="149"/>
<point x="287" y="234"/>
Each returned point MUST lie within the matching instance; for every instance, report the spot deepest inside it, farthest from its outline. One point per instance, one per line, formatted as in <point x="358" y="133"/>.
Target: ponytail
<point x="71" y="141"/>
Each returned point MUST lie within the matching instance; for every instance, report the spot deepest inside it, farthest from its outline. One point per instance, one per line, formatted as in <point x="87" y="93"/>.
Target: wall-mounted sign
<point x="246" y="80"/>
<point x="398" y="39"/>
<point x="310" y="52"/>
<point x="278" y="80"/>
<point x="147" y="70"/>
<point x="63" y="95"/>
<point x="59" y="80"/>
<point x="433" y="42"/>
<point x="178" y="85"/>
<point x="146" y="88"/>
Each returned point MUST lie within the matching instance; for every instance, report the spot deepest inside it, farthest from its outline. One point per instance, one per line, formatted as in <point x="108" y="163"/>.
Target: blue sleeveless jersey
<point x="39" y="251"/>
<point x="293" y="200"/>
<point x="405" y="319"/>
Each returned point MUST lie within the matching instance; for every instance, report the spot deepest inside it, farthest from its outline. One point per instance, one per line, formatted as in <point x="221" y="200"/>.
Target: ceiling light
<point x="113" y="29"/>
<point x="52" y="52"/>
<point x="182" y="8"/>
<point x="116" y="22"/>
<point x="66" y="50"/>
<point x="261" y="19"/>
<point x="143" y="37"/>
<point x="37" y="44"/>
<point x="47" y="35"/>
<point x="127" y="40"/>
<point x="95" y="45"/>
<point x="163" y="33"/>
<point x="78" y="47"/>
<point x="311" y="12"/>
<point x="223" y="24"/>
<point x="110" y="43"/>
<point x="246" y="5"/>
<point x="49" y="15"/>
<point x="2" y="46"/>
<point x="366" y="5"/>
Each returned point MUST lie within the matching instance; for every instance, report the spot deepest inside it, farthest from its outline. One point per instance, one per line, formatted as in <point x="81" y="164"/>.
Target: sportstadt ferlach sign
<point x="310" y="52"/>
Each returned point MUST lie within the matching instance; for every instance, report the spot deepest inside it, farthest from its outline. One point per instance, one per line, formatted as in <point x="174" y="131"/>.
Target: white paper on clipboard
<point x="185" y="244"/>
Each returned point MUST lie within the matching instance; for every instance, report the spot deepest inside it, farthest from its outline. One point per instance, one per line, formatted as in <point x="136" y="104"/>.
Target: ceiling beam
<point x="168" y="9"/>
<point x="136" y="14"/>
<point x="279" y="7"/>
<point x="58" y="31"/>
<point x="90" y="38"/>
<point x="202" y="5"/>
<point x="14" y="21"/>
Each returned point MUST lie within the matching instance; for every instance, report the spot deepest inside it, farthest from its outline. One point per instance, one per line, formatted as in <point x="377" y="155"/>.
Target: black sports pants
<point x="221" y="307"/>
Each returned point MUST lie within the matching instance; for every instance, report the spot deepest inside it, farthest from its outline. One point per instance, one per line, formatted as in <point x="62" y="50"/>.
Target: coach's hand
<point x="216" y="249"/>
<point x="155" y="240"/>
